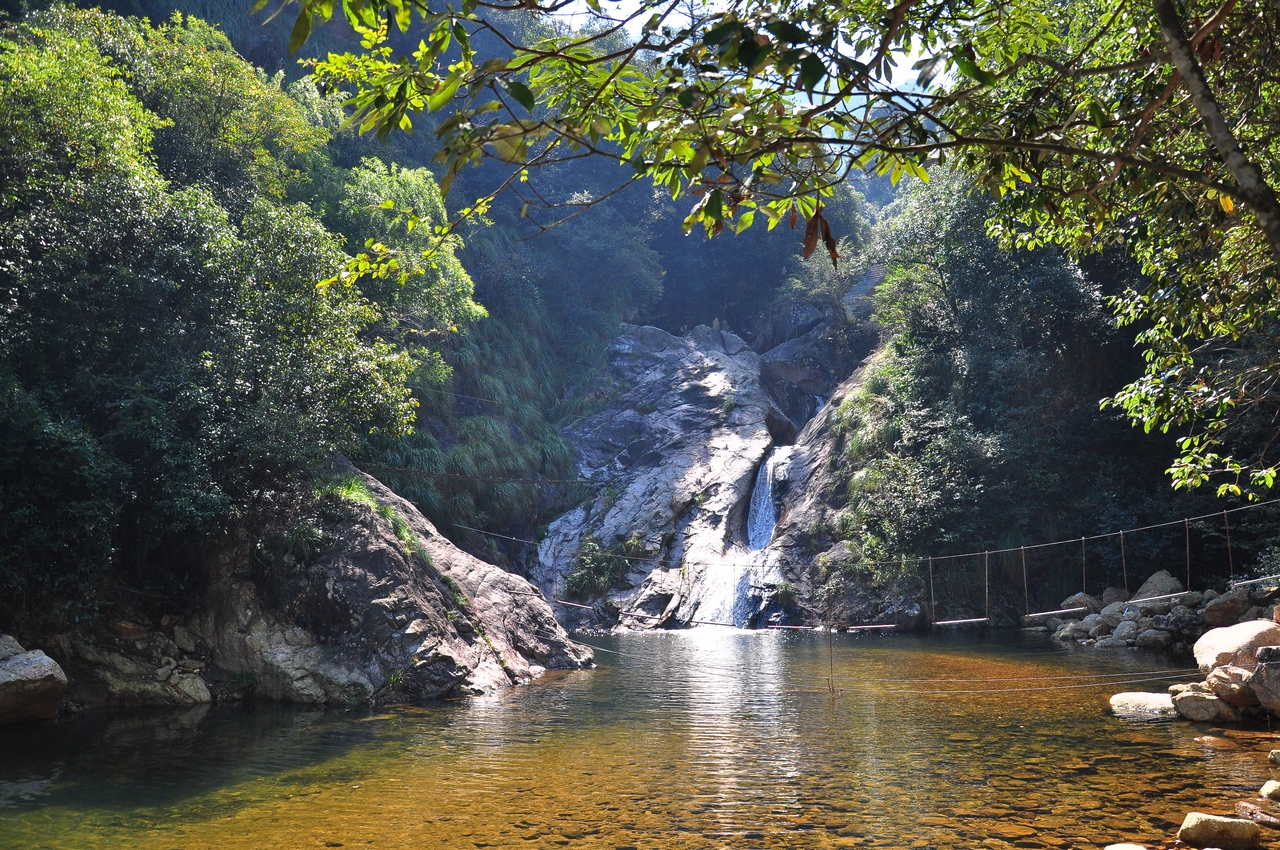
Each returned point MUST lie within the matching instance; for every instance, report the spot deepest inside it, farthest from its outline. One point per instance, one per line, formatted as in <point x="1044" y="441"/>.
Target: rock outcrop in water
<point x="392" y="611"/>
<point x="31" y="683"/>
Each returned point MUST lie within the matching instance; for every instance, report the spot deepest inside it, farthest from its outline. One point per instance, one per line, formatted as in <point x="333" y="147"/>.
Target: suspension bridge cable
<point x="404" y="470"/>
<point x="1231" y="564"/>
<point x="1185" y="521"/>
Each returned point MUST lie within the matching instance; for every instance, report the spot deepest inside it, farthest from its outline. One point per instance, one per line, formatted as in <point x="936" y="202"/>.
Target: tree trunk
<point x="1253" y="188"/>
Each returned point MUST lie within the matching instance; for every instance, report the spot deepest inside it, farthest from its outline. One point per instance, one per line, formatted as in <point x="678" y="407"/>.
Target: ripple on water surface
<point x="702" y="739"/>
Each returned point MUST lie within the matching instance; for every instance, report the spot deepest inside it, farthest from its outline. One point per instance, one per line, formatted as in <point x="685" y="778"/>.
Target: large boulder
<point x="394" y="611"/>
<point x="1226" y="609"/>
<point x="1112" y="595"/>
<point x="1265" y="684"/>
<point x="1237" y="645"/>
<point x="1201" y="707"/>
<point x="387" y="610"/>
<point x="1159" y="584"/>
<point x="1071" y="630"/>
<point x="801" y="372"/>
<point x="1201" y="830"/>
<point x="130" y="666"/>
<point x="1231" y="685"/>
<point x="31" y="683"/>
<point x="1126" y="630"/>
<point x="1154" y="639"/>
<point x="1092" y="604"/>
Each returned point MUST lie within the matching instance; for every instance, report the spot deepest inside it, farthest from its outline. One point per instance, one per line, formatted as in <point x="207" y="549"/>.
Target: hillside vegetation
<point x="210" y="286"/>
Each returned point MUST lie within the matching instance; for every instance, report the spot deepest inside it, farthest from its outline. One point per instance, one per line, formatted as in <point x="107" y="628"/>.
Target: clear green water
<point x="700" y="739"/>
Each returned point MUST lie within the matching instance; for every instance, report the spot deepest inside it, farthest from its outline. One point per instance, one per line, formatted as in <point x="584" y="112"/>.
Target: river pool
<point x="705" y="738"/>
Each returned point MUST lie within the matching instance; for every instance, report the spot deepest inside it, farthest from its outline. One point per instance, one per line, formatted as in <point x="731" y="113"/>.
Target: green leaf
<point x="722" y="33"/>
<point x="1096" y="115"/>
<point x="444" y="93"/>
<point x="301" y="32"/>
<point x="788" y="32"/>
<point x="973" y="72"/>
<point x="811" y="72"/>
<point x="520" y="92"/>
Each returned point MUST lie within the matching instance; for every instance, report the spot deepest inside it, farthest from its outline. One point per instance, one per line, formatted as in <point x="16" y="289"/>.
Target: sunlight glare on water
<point x="707" y="738"/>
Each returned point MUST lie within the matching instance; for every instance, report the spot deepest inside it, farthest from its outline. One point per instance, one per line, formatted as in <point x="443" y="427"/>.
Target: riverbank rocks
<point x="1162" y="617"/>
<point x="1112" y="595"/>
<point x="119" y="670"/>
<point x="393" y="612"/>
<point x="1230" y="684"/>
<point x="1160" y="583"/>
<point x="1155" y="639"/>
<point x="1091" y="604"/>
<point x="1235" y="645"/>
<point x="1242" y="663"/>
<point x="387" y="610"/>
<point x="1265" y="681"/>
<point x="1143" y="704"/>
<point x="1226" y="609"/>
<point x="1201" y="705"/>
<point x="1202" y="830"/>
<point x="31" y="683"/>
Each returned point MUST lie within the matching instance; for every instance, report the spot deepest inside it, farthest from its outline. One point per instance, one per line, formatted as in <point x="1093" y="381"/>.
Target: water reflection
<point x="700" y="739"/>
<point x="156" y="758"/>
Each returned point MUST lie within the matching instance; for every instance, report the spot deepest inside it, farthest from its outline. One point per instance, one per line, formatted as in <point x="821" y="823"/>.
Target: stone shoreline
<point x="1161" y="616"/>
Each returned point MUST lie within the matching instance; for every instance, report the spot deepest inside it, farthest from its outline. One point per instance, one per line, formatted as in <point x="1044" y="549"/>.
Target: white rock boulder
<point x="1201" y="707"/>
<point x="1237" y="645"/>
<point x="1142" y="703"/>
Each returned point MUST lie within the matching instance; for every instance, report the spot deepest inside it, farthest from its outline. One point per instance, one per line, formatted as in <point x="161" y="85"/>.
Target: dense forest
<point x="212" y="285"/>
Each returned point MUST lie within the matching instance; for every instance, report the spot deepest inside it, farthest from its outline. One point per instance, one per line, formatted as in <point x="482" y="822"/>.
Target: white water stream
<point x="726" y="586"/>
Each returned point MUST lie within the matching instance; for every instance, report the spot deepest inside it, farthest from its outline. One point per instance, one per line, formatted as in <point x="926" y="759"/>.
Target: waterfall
<point x="762" y="515"/>
<point x="726" y="592"/>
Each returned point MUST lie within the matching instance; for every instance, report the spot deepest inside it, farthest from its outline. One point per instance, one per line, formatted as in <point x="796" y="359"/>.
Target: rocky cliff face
<point x="390" y="611"/>
<point x="677" y="456"/>
<point x="807" y="488"/>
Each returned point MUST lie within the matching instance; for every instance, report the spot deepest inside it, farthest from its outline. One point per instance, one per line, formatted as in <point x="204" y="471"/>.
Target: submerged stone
<point x="1202" y="830"/>
<point x="1142" y="703"/>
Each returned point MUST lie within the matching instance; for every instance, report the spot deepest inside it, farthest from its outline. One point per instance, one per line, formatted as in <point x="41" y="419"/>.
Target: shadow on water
<point x="160" y="757"/>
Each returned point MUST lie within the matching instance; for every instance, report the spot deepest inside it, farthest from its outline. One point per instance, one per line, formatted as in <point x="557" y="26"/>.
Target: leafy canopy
<point x="1150" y="125"/>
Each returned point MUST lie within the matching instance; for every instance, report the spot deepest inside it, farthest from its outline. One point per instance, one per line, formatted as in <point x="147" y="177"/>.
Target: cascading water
<point x="726" y="593"/>
<point x="762" y="515"/>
